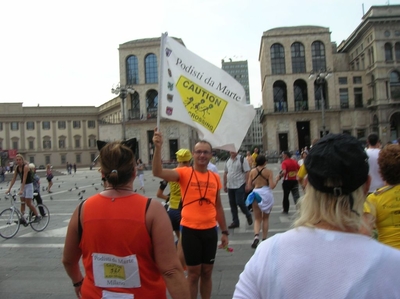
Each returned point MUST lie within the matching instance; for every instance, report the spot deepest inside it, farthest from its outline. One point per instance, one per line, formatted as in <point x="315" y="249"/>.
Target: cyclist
<point x="26" y="189"/>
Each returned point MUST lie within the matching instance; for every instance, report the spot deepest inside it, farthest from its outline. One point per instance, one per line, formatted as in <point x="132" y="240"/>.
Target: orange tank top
<point x="199" y="193"/>
<point x="117" y="251"/>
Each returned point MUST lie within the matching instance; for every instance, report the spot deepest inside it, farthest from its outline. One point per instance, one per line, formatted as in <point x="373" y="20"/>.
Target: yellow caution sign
<point x="203" y="106"/>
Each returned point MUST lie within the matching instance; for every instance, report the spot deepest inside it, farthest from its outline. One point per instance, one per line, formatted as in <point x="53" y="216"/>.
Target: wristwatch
<point x="225" y="232"/>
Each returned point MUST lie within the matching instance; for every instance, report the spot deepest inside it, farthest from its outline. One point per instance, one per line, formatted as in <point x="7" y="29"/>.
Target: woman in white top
<point x="324" y="255"/>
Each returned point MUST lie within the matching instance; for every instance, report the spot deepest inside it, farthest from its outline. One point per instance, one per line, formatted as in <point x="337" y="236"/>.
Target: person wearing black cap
<point x="325" y="255"/>
<point x="289" y="184"/>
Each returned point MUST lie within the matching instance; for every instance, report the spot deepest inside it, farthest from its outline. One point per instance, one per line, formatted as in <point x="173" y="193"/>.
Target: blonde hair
<point x="316" y="206"/>
<point x="32" y="166"/>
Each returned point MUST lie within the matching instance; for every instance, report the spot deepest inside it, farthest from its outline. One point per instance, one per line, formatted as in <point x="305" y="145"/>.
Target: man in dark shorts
<point x="201" y="210"/>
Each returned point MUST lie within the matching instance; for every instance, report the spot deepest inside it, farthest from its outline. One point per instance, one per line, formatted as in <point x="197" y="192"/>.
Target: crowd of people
<point x="345" y="239"/>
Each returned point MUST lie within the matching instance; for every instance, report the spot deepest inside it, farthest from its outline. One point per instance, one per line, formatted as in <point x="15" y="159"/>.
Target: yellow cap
<point x="183" y="155"/>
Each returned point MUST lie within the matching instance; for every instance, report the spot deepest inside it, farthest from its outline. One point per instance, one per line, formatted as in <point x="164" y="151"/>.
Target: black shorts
<point x="175" y="217"/>
<point x="199" y="245"/>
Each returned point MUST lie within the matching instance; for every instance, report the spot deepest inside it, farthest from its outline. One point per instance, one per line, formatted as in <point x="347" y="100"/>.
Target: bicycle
<point x="10" y="219"/>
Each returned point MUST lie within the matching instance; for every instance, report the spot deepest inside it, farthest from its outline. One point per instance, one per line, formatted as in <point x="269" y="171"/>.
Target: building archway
<point x="394" y="126"/>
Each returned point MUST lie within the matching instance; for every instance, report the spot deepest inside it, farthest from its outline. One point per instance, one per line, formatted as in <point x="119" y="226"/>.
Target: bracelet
<point x="78" y="284"/>
<point x="225" y="232"/>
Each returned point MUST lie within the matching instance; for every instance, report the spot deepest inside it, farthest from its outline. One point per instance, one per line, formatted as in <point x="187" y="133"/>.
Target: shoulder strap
<point x="147" y="204"/>
<point x="260" y="174"/>
<point x="191" y="175"/>
<point x="80" y="229"/>
<point x="241" y="162"/>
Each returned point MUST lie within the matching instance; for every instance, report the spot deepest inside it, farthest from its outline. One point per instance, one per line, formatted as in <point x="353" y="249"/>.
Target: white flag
<point x="197" y="93"/>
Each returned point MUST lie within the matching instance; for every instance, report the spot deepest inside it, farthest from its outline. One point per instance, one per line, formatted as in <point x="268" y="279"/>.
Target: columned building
<point x="358" y="94"/>
<point x="49" y="135"/>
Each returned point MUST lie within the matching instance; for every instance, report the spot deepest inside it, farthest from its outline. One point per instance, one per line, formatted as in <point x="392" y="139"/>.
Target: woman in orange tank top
<point x="114" y="232"/>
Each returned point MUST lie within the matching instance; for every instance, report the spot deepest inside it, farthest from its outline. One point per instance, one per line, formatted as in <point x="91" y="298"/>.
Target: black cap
<point x="339" y="157"/>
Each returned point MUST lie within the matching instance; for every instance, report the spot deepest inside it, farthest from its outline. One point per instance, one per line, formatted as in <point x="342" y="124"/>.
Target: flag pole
<point x="161" y="77"/>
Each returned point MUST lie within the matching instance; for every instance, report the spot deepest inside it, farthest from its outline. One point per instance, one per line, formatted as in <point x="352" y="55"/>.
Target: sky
<point x="65" y="53"/>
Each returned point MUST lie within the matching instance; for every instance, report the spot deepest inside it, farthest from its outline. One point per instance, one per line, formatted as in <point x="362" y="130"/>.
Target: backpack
<point x="241" y="162"/>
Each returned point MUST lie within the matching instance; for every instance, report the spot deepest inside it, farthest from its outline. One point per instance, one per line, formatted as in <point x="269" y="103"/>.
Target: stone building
<point x="49" y="135"/>
<point x="358" y="81"/>
<point x="139" y="62"/>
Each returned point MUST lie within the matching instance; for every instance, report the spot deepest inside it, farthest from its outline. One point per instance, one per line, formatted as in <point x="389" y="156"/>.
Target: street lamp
<point x="123" y="92"/>
<point x="320" y="79"/>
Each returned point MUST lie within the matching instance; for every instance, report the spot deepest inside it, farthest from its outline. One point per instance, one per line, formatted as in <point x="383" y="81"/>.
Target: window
<point x="31" y="145"/>
<point x="318" y="56"/>
<point x="151" y="69"/>
<point x="358" y="97"/>
<point x="300" y="95"/>
<point x="47" y="160"/>
<point x="15" y="145"/>
<point x="277" y="59"/>
<point x="1" y="126"/>
<point x="32" y="160"/>
<point x="134" y="113"/>
<point x="132" y="70"/>
<point x="152" y="103"/>
<point x="360" y="133"/>
<point x="357" y="80"/>
<point x="61" y="125"/>
<point x="344" y="98"/>
<point x="343" y="80"/>
<point x="47" y="143"/>
<point x="92" y="156"/>
<point x="388" y="52"/>
<point x="76" y="124"/>
<point x="92" y="141"/>
<point x="77" y="143"/>
<point x="14" y="126"/>
<point x="91" y="124"/>
<point x="298" y="58"/>
<point x="348" y="132"/>
<point x="45" y="125"/>
<point x="63" y="159"/>
<point x="78" y="158"/>
<point x="397" y="51"/>
<point x="30" y="125"/>
<point x="61" y="143"/>
<point x="280" y="97"/>
<point x="1" y="143"/>
<point x="395" y="85"/>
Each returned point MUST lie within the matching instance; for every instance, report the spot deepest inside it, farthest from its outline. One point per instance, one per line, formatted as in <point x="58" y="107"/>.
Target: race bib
<point x="112" y="271"/>
<point x="292" y="174"/>
<point x="112" y="295"/>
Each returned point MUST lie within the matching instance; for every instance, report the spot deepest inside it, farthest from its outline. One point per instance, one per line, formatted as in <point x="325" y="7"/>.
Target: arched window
<point x="280" y="97"/>
<point x="388" y="52"/>
<point x="300" y="95"/>
<point x="298" y="58"/>
<point x="150" y="63"/>
<point x="318" y="96"/>
<point x="152" y="103"/>
<point x="394" y="85"/>
<point x="375" y="124"/>
<point x="132" y="70"/>
<point x="397" y="51"/>
<point x="134" y="112"/>
<point x="277" y="59"/>
<point x="318" y="56"/>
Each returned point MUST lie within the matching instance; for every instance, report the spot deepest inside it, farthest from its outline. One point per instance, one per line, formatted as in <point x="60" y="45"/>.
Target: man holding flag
<point x="201" y="210"/>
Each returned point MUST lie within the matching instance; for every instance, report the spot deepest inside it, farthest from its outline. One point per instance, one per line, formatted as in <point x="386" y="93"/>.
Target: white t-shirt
<point x="307" y="263"/>
<point x="376" y="179"/>
<point x="212" y="167"/>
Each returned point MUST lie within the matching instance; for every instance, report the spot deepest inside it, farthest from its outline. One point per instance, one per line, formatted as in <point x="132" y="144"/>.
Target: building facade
<point x="49" y="135"/>
<point x="139" y="63"/>
<point x="293" y="111"/>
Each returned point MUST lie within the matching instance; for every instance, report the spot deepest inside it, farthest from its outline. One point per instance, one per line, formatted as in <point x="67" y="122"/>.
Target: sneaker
<point x="255" y="242"/>
<point x="249" y="220"/>
<point x="233" y="225"/>
<point x="284" y="212"/>
<point x="37" y="219"/>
